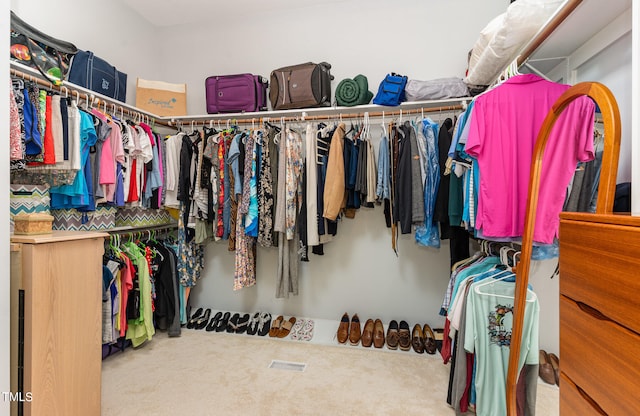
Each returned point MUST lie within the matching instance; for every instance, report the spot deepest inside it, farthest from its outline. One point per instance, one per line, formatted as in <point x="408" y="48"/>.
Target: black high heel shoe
<point x="194" y="318"/>
<point x="203" y="320"/>
<point x="214" y="322"/>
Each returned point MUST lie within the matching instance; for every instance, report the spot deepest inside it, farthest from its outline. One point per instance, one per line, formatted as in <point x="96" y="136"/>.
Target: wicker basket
<point x="32" y="224"/>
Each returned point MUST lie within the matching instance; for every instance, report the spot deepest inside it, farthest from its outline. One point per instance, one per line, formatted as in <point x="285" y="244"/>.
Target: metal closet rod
<point x="305" y="117"/>
<point x="143" y="230"/>
<point x="92" y="99"/>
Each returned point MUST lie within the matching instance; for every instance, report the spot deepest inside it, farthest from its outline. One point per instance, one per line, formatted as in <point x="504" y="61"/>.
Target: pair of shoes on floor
<point x="302" y="330"/>
<point x="423" y="339"/>
<point x="373" y="332"/>
<point x="259" y="324"/>
<point x="349" y="329"/>
<point x="281" y="328"/>
<point x="238" y="323"/>
<point x="219" y="322"/>
<point x="549" y="368"/>
<point x="398" y="336"/>
<point x="199" y="319"/>
<point x="225" y="322"/>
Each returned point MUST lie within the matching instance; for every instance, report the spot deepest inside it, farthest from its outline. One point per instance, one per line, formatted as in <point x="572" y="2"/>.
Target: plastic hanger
<point x="503" y="275"/>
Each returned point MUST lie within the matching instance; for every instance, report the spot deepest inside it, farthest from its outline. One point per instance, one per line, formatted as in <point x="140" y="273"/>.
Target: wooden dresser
<point x="61" y="278"/>
<point x="599" y="314"/>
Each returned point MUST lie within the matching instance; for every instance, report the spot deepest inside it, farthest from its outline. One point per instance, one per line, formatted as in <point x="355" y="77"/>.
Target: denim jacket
<point x="384" y="170"/>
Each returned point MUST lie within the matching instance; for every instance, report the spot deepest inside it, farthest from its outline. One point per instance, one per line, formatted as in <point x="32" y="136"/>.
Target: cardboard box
<point x="161" y="98"/>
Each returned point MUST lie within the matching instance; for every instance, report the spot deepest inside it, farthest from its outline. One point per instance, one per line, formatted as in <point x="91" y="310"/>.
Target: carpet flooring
<point x="208" y="373"/>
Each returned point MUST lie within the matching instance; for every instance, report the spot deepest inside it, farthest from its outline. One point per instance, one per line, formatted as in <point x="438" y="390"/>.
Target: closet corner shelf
<point x="302" y="113"/>
<point x="94" y="98"/>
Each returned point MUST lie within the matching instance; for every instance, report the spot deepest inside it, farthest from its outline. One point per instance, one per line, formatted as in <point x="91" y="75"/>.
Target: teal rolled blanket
<point x="351" y="92"/>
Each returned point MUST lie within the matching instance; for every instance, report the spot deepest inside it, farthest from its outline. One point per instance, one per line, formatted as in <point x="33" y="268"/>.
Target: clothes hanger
<point x="367" y="126"/>
<point x="504" y="258"/>
<point x="503" y="275"/>
<point x="490" y="280"/>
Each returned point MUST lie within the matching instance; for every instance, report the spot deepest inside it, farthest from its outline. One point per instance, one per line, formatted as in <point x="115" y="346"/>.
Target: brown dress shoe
<point x="354" y="330"/>
<point x="417" y="339"/>
<point x="555" y="364"/>
<point x="545" y="370"/>
<point x="378" y="334"/>
<point x="367" y="333"/>
<point x="429" y="340"/>
<point x="405" y="336"/>
<point x="392" y="335"/>
<point x="343" y="329"/>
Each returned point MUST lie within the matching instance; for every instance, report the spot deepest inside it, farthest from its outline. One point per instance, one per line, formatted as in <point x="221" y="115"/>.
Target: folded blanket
<point x="354" y="91"/>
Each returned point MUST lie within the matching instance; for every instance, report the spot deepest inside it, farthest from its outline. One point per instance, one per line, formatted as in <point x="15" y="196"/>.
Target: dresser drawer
<point x="576" y="402"/>
<point x="600" y="265"/>
<point x="601" y="357"/>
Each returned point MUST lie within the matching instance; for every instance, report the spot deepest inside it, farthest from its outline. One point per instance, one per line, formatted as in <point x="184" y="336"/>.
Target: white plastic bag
<point x="502" y="39"/>
<point x="435" y="89"/>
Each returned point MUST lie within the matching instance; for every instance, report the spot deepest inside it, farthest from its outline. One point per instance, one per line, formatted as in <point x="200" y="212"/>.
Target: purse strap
<point x="53" y="80"/>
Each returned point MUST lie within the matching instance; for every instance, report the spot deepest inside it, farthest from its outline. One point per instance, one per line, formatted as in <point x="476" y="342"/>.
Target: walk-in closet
<point x="442" y="227"/>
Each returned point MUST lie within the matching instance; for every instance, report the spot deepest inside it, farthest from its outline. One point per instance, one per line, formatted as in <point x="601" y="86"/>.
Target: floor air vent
<point x="287" y="365"/>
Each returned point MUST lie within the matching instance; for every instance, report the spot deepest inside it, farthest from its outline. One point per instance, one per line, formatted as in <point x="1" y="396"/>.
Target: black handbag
<point x="96" y="74"/>
<point x="50" y="56"/>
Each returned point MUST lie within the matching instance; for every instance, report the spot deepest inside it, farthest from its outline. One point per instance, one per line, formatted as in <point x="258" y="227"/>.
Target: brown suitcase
<point x="301" y="86"/>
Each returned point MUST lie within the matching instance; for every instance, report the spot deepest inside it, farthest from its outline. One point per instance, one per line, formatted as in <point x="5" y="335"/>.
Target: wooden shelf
<point x="57" y="236"/>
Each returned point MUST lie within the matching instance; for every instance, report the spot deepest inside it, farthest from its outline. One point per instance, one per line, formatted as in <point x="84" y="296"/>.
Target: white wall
<point x="420" y="39"/>
<point x="4" y="226"/>
<point x="612" y="67"/>
<point x="110" y="30"/>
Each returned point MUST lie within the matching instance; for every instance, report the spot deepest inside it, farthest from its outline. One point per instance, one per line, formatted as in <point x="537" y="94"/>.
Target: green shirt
<point x="488" y="328"/>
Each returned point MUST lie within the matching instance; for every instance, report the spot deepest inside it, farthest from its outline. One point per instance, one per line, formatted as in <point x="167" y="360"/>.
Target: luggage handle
<point x="285" y="87"/>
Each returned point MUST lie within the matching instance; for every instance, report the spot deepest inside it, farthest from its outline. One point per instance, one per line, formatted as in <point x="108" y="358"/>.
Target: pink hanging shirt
<point x="504" y="128"/>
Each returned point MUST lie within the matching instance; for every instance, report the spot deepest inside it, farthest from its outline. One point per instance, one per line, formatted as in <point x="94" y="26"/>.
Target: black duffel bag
<point x="96" y="74"/>
<point x="31" y="47"/>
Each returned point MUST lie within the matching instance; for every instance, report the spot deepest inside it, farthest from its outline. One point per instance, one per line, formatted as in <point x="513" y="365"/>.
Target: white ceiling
<point x="163" y="13"/>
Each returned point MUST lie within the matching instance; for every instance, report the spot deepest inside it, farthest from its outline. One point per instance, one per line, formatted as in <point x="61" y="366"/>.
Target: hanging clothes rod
<point x="90" y="98"/>
<point x="308" y="113"/>
<point x="305" y="117"/>
<point x="142" y="230"/>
